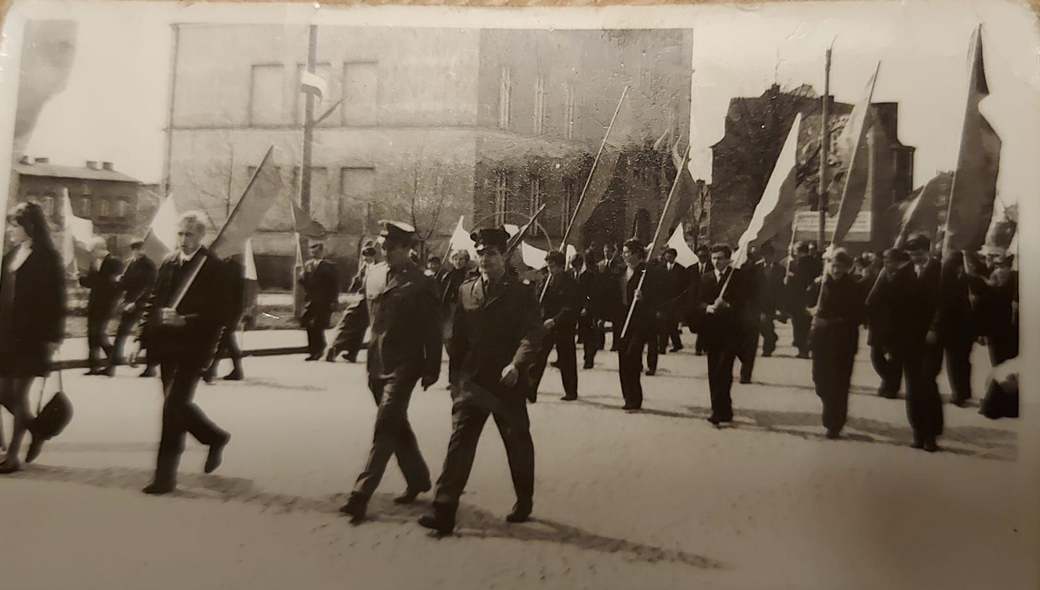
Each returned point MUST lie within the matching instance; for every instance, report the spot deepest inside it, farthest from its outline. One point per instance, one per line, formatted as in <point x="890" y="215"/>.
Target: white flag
<point x="161" y="238"/>
<point x="77" y="234"/>
<point x="312" y="84"/>
<point x="250" y="262"/>
<point x="460" y="240"/>
<point x="684" y="255"/>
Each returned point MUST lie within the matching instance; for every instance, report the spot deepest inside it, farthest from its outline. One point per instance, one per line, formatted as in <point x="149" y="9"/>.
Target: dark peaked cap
<point x="497" y="237"/>
<point x="397" y="232"/>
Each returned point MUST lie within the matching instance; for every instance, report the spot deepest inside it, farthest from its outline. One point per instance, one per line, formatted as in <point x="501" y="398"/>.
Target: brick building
<point x="435" y="124"/>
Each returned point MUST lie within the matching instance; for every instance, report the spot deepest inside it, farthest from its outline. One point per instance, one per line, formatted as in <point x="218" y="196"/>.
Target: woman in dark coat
<point x="32" y="320"/>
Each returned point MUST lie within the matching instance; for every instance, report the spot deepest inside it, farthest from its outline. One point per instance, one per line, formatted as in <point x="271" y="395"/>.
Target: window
<point x="569" y="110"/>
<point x="569" y="201"/>
<point x="122" y="208"/>
<point x="539" y="106"/>
<point x="266" y="99"/>
<point x="505" y="89"/>
<point x="84" y="208"/>
<point x="321" y="208"/>
<point x="360" y="93"/>
<point x="501" y="197"/>
<point x="356" y="185"/>
<point x="48" y="205"/>
<point x="104" y="208"/>
<point x="323" y="71"/>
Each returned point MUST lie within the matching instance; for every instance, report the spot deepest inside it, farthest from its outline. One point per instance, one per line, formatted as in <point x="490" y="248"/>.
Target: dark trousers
<point x="1002" y="346"/>
<point x="393" y="436"/>
<point x="227" y="348"/>
<point x="630" y="368"/>
<point x="801" y="322"/>
<point x="467" y="423"/>
<point x="889" y="367"/>
<point x="769" y="338"/>
<point x="921" y="364"/>
<point x="97" y="340"/>
<point x="669" y="331"/>
<point x="566" y="358"/>
<point x="958" y="365"/>
<point x="652" y="354"/>
<point x="832" y="360"/>
<point x="127" y="323"/>
<point x="999" y="403"/>
<point x="316" y="341"/>
<point x="698" y="347"/>
<point x="720" y="382"/>
<point x="591" y="335"/>
<point x="180" y="376"/>
<point x="747" y="353"/>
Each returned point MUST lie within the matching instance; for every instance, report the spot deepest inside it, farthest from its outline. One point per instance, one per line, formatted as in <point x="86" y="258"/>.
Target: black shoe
<point x="745" y="380"/>
<point x="92" y="372"/>
<point x="519" y="514"/>
<point x="569" y="398"/>
<point x="441" y="521"/>
<point x="699" y="352"/>
<point x="330" y="357"/>
<point x="803" y="355"/>
<point x="888" y="394"/>
<point x="917" y="444"/>
<point x="312" y="358"/>
<point x="587" y="366"/>
<point x="235" y="375"/>
<point x="35" y="446"/>
<point x="158" y="487"/>
<point x="148" y="373"/>
<point x="355" y="508"/>
<point x="110" y="371"/>
<point x="833" y="434"/>
<point x="676" y="348"/>
<point x="216" y="455"/>
<point x="766" y="355"/>
<point x="930" y="446"/>
<point x="651" y="372"/>
<point x="10" y="465"/>
<point x="632" y="409"/>
<point x="350" y="358"/>
<point x="411" y="494"/>
<point x="960" y="403"/>
<point x="555" y="364"/>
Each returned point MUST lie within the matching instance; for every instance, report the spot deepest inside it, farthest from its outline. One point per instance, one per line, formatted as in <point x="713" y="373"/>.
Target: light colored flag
<point x="296" y="214"/>
<point x="161" y="238"/>
<point x="684" y="255"/>
<point x="975" y="180"/>
<point x="775" y="210"/>
<point x="854" y="137"/>
<point x="684" y="193"/>
<point x="534" y="256"/>
<point x="460" y="240"/>
<point x="76" y="236"/>
<point x="250" y="261"/>
<point x="312" y="83"/>
<point x="511" y="229"/>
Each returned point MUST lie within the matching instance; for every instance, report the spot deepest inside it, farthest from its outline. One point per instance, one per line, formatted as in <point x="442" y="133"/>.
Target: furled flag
<point x="312" y="83"/>
<point x="76" y="235"/>
<point x="854" y="141"/>
<point x="460" y="240"/>
<point x="775" y="210"/>
<point x="162" y="232"/>
<point x="250" y="261"/>
<point x="684" y="255"/>
<point x="975" y="181"/>
<point x="684" y="193"/>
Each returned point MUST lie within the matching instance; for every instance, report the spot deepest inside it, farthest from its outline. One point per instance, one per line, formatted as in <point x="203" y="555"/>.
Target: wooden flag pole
<point x="588" y="182"/>
<point x="657" y="234"/>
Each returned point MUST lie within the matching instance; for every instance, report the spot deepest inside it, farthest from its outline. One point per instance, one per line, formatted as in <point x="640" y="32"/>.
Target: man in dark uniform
<point x="921" y="352"/>
<point x="835" y="338"/>
<point x="560" y="309"/>
<point x="722" y="326"/>
<point x="496" y="335"/>
<point x="589" y="332"/>
<point x="102" y="279"/>
<point x="801" y="276"/>
<point x="752" y="276"/>
<point x="887" y="320"/>
<point x="697" y="271"/>
<point x="182" y="339"/>
<point x="350" y="332"/>
<point x="642" y="327"/>
<point x="404" y="314"/>
<point x="321" y="295"/>
<point x="608" y="270"/>
<point x="136" y="284"/>
<point x="770" y="297"/>
<point x="674" y="282"/>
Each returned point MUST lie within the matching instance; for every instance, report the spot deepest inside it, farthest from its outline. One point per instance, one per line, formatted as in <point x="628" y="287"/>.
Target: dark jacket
<point x="562" y="301"/>
<point x="770" y="287"/>
<point x="103" y="283"/>
<point x="449" y="285"/>
<point x="725" y="328"/>
<point x="205" y="307"/>
<point x="674" y="284"/>
<point x="923" y="301"/>
<point x="887" y="310"/>
<point x="588" y="282"/>
<point x="841" y="311"/>
<point x="35" y="314"/>
<point x="136" y="281"/>
<point x="644" y="315"/>
<point x="320" y="283"/>
<point x="802" y="274"/>
<point x="403" y="310"/>
<point x="608" y="298"/>
<point x="494" y="329"/>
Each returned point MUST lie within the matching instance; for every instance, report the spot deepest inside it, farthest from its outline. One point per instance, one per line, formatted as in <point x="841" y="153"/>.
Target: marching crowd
<point x="499" y="330"/>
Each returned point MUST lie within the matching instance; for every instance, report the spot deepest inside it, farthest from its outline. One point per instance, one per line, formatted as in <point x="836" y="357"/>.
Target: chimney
<point x="43" y="160"/>
<point x="107" y="166"/>
<point x="93" y="165"/>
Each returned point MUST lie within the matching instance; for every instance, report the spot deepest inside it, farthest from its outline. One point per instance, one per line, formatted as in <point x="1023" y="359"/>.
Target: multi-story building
<point x="434" y="125"/>
<point x="756" y="128"/>
<point x="113" y="201"/>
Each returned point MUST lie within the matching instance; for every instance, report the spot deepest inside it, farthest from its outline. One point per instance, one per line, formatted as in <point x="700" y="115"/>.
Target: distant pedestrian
<point x="560" y="308"/>
<point x="350" y="332"/>
<point x="136" y="283"/>
<point x="102" y="279"/>
<point x="321" y="292"/>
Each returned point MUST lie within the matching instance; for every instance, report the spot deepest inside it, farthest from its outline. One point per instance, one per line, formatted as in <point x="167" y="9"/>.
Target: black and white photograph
<point x="421" y="297"/>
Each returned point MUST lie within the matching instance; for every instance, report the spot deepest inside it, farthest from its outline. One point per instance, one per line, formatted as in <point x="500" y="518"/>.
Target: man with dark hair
<point x="560" y="308"/>
<point x="136" y="284"/>
<point x="320" y="283"/>
<point x="642" y="329"/>
<point x="675" y="281"/>
<point x="922" y="354"/>
<point x="835" y="338"/>
<point x="496" y="334"/>
<point x="722" y="307"/>
<point x="801" y="276"/>
<point x="589" y="333"/>
<point x="887" y="320"/>
<point x="102" y="279"/>
<point x="182" y="339"/>
<point x="697" y="271"/>
<point x="404" y="315"/>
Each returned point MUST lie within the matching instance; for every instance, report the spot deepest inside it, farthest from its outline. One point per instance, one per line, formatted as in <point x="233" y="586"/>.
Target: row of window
<point x="536" y="197"/>
<point x="541" y="110"/>
<point x="359" y="91"/>
<point x="86" y="207"/>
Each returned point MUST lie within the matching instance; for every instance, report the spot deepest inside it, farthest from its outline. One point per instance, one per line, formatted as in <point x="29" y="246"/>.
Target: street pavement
<point x="657" y="499"/>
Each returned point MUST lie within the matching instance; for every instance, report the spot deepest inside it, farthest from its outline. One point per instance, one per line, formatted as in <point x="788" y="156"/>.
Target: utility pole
<point x="825" y="144"/>
<point x="305" y="167"/>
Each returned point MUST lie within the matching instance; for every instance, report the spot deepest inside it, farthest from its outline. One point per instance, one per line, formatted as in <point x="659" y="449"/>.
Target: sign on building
<point x="807" y="226"/>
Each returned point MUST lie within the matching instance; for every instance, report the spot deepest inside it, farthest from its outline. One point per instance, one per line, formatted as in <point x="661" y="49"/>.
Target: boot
<point x="411" y="494"/>
<point x="521" y="512"/>
<point x="442" y="520"/>
<point x="355" y="508"/>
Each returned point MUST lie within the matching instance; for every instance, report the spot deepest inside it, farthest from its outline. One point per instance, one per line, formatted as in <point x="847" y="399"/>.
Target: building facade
<point x="434" y="125"/>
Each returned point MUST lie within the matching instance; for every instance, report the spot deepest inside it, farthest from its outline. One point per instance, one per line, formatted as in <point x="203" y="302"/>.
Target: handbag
<point x="52" y="418"/>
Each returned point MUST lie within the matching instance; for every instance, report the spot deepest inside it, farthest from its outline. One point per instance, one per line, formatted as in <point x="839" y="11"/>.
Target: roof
<point x="56" y="171"/>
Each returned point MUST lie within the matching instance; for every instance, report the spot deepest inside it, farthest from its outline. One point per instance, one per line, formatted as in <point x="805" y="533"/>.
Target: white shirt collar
<point x="21" y="255"/>
<point x="187" y="257"/>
